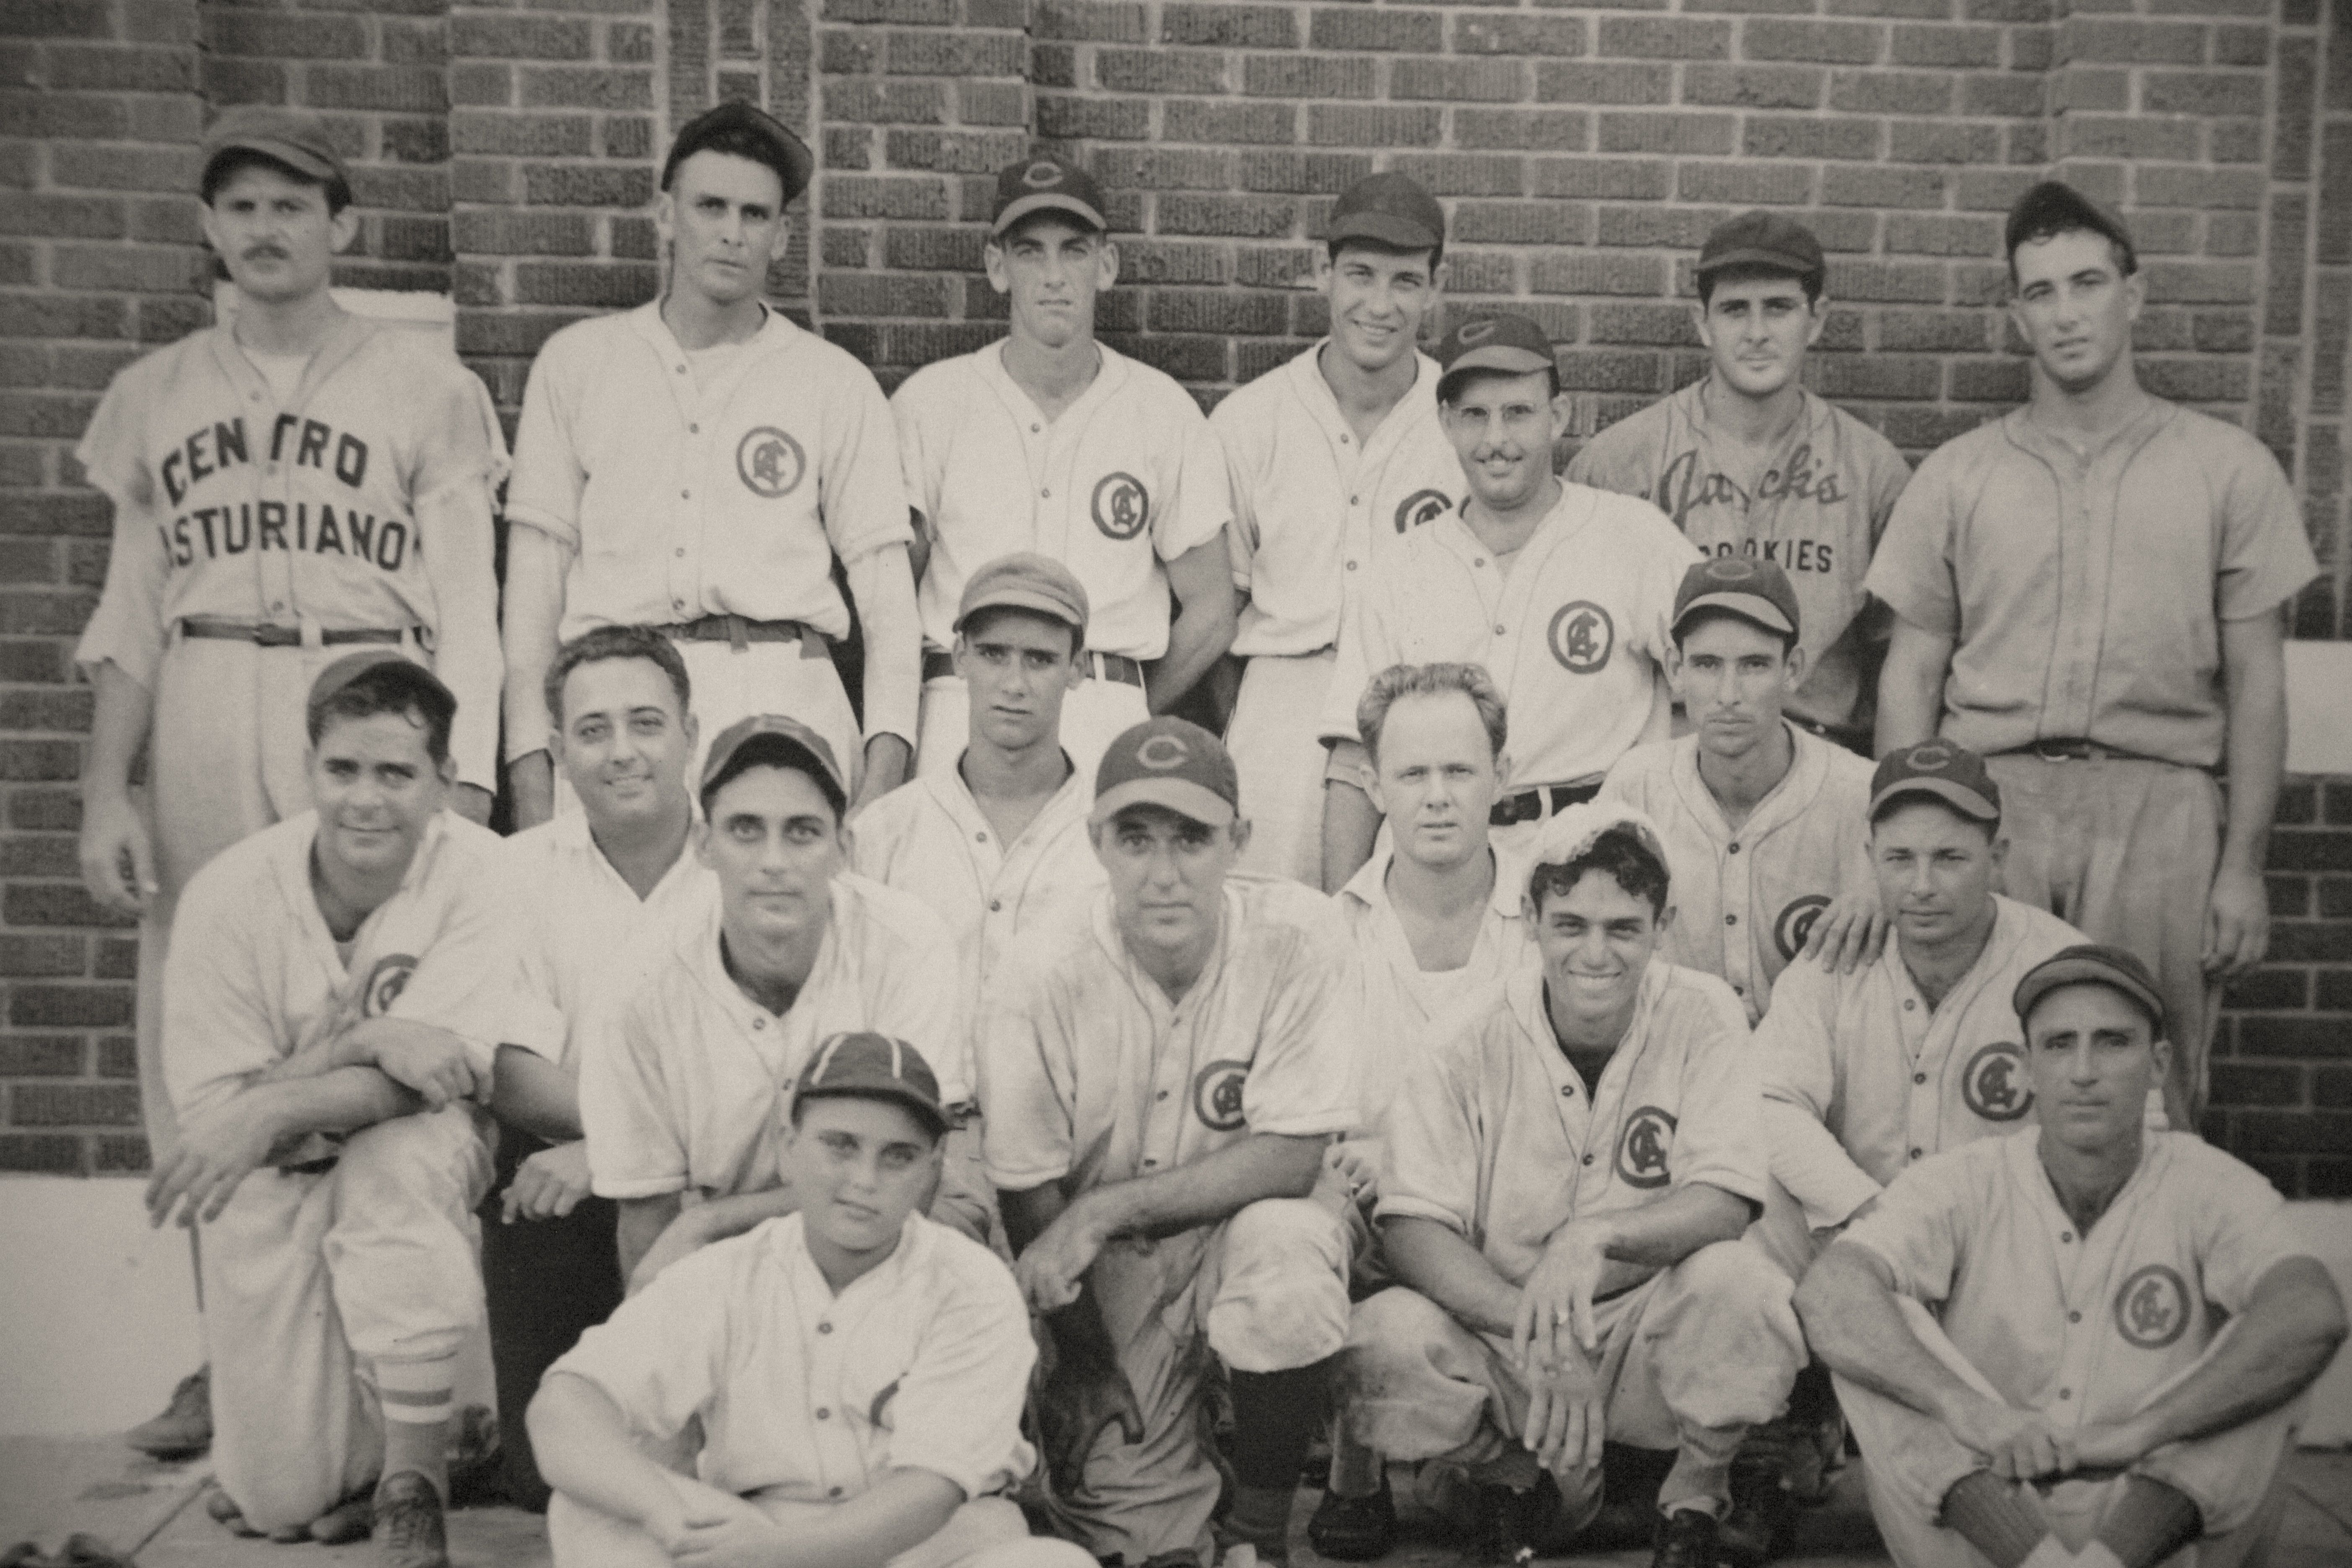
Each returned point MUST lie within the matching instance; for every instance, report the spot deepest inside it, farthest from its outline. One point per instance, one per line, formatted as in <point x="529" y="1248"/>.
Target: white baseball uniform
<point x="1311" y="506"/>
<point x="1574" y="630"/>
<point x="2084" y="1329"/>
<point x="1125" y="478"/>
<point x="726" y="496"/>
<point x="313" y="512"/>
<point x="349" y="1255"/>
<point x="1089" y="1077"/>
<point x="1805" y="843"/>
<point x="806" y="1398"/>
<point x="1496" y="1135"/>
<point x="1817" y="507"/>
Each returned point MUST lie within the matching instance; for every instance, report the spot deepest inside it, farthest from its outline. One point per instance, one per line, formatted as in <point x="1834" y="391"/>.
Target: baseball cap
<point x="1953" y="774"/>
<point x="2093" y="963"/>
<point x="1046" y="181"/>
<point x="1511" y="345"/>
<point x="874" y="1067"/>
<point x="1762" y="240"/>
<point x="1571" y="833"/>
<point x="1743" y="586"/>
<point x="787" y="154"/>
<point x="777" y="739"/>
<point x="1026" y="580"/>
<point x="293" y="138"/>
<point x="1168" y="761"/>
<point x="1387" y="209"/>
<point x="418" y="681"/>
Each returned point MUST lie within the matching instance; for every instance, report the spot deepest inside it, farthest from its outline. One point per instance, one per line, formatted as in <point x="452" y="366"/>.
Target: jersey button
<point x="681" y="552"/>
<point x="1343" y="440"/>
<point x="1148" y="1164"/>
<point x="1035" y="428"/>
<point x="981" y="838"/>
<point x="681" y="370"/>
<point x="1731" y="919"/>
<point x="1734" y="846"/>
<point x="833" y="1491"/>
<point x="1588" y="1159"/>
<point x="2065" y="1235"/>
<point x="759" y="1023"/>
<point x="1161" y="1095"/>
<point x="686" y="495"/>
<point x="1918" y="1154"/>
<point x="2065" y="1394"/>
<point x="1355" y="501"/>
<point x="822" y="1414"/>
<point x="996" y="906"/>
<point x="2073" y="1317"/>
<point x="1918" y="1077"/>
<point x="694" y="429"/>
<point x="1047" y="493"/>
<point x="1499" y="632"/>
<point x="1351" y="566"/>
<point x="1910" y="1006"/>
<point x="825" y="1327"/>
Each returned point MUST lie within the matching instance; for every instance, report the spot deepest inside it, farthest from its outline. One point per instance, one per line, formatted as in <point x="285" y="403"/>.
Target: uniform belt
<point x="1534" y="805"/>
<point x="2074" y="748"/>
<point x="1100" y="666"/>
<point x="261" y="634"/>
<point x="742" y="632"/>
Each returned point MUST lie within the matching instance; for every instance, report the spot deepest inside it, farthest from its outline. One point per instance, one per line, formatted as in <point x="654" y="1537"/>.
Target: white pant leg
<point x="784" y="677"/>
<point x="1092" y="718"/>
<point x="404" y="1246"/>
<point x="1274" y="1284"/>
<point x="985" y="1533"/>
<point x="1281" y="761"/>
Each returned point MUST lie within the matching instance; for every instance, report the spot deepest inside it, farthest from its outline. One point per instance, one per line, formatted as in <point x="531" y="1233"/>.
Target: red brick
<point x="417" y="88"/>
<point x="1663" y="132"/>
<point x="1215" y="311"/>
<point x="1230" y="26"/>
<point x="1926" y="233"/>
<point x="914" y="12"/>
<point x="1372" y="125"/>
<point x="1661" y="325"/>
<point x="61" y="115"/>
<point x="1159" y="261"/>
<point x="1623" y="179"/>
<point x="49" y="215"/>
<point x="2125" y="137"/>
<point x="76" y="1104"/>
<point x="1102" y="21"/>
<point x="1557" y="82"/>
<point x="1754" y="86"/>
<point x="1507" y="33"/>
<point x="1534" y="129"/>
<point x="953" y="152"/>
<point x="1942" y="142"/>
<point x="1843" y="185"/>
<point x="40" y="1153"/>
<point x="586" y="185"/>
<point x="1903" y="282"/>
<point x="1358" y="27"/>
<point x="56" y="19"/>
<point x="522" y="135"/>
<point x="1521" y="223"/>
<point x="23" y="955"/>
<point x="521" y="38"/>
<point x="2199" y="283"/>
<point x="2201" y="92"/>
<point x="109" y="69"/>
<point x="1251" y="218"/>
<point x="1665" y="37"/>
<point x="1934" y="332"/>
<point x="1747" y="184"/>
<point x="604" y="285"/>
<point x="2133" y="42"/>
<point x="2161" y="185"/>
<point x="285" y="35"/>
<point x="1832" y="43"/>
<point x="1596" y="273"/>
<point x="586" y="87"/>
<point x="1177" y="168"/>
<point x="1949" y="46"/>
<point x="916" y="53"/>
<point x="1226" y="123"/>
<point x="1883" y="92"/>
<point x="1158" y="71"/>
<point x="1309" y="76"/>
<point x="1459" y="80"/>
<point x="43" y="1056"/>
<point x="904" y="197"/>
<point x="1063" y="118"/>
<point x="1792" y="136"/>
<point x="918" y="249"/>
<point x="48" y="712"/>
<point x="2009" y="96"/>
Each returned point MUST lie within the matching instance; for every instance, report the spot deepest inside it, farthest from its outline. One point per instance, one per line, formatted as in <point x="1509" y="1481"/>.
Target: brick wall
<point x="509" y="153"/>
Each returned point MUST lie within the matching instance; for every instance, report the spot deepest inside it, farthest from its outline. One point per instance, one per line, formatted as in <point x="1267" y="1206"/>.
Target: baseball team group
<point x="1328" y="953"/>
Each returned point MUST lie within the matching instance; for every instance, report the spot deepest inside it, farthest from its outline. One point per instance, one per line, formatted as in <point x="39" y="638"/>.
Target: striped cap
<point x="875" y="1067"/>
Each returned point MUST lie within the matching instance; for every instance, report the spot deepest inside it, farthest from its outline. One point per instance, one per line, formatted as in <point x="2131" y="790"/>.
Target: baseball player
<point x="679" y="1091"/>
<point x="1563" y="592"/>
<point x="1159" y="1081"/>
<point x="1569" y="1173"/>
<point x="2029" y="1330"/>
<point x="1052" y="441"/>
<point x="1764" y="821"/>
<point x="716" y="507"/>
<point x="856" y="1370"/>
<point x="275" y="482"/>
<point x="324" y="1046"/>
<point x="1748" y="463"/>
<point x="998" y="846"/>
<point x="1332" y="456"/>
<point x="2089" y="593"/>
<point x="593" y="892"/>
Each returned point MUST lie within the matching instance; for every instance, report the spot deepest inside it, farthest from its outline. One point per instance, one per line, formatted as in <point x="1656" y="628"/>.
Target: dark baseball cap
<point x="778" y="741"/>
<point x="1046" y="181"/>
<point x="292" y="137"/>
<point x="1387" y="209"/>
<point x="868" y="1065"/>
<point x="1953" y="774"/>
<point x="413" y="678"/>
<point x="1511" y="344"/>
<point x="786" y="154"/>
<point x="1762" y="240"/>
<point x="1026" y="580"/>
<point x="1743" y="586"/>
<point x="2092" y="964"/>
<point x="1168" y="761"/>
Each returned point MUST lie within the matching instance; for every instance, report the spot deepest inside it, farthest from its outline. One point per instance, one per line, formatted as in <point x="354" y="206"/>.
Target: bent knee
<point x="1296" y="1233"/>
<point x="1733" y="1272"/>
<point x="1398" y="1327"/>
<point x="1282" y="1299"/>
<point x="434" y="1154"/>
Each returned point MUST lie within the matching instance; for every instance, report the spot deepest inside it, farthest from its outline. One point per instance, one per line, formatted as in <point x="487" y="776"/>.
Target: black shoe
<point x="1761" y="1523"/>
<point x="409" y="1530"/>
<point x="1689" y="1538"/>
<point x="1354" y="1529"/>
<point x="184" y="1429"/>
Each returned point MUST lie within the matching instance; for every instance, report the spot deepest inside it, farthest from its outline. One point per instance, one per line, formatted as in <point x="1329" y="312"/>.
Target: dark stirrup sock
<point x="1989" y="1515"/>
<point x="1275" y="1416"/>
<point x="2150" y="1522"/>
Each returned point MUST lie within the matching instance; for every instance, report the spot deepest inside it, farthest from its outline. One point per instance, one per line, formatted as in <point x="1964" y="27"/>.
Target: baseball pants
<point x="1281" y="761"/>
<point x="1911" y="1462"/>
<point x="1264" y="1291"/>
<point x="1092" y="718"/>
<point x="1689" y="1361"/>
<point x="312" y="1280"/>
<point x="2124" y="849"/>
<point x="985" y="1533"/>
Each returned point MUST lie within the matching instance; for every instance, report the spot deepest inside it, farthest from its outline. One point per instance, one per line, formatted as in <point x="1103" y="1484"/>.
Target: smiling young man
<point x="1748" y="463"/>
<point x="1563" y="592"/>
<point x="856" y="1372"/>
<point x="2028" y="1331"/>
<point x="1048" y="440"/>
<point x="1569" y="1173"/>
<point x="327" y="1022"/>
<point x="718" y="507"/>
<point x="2091" y="594"/>
<point x="1333" y="455"/>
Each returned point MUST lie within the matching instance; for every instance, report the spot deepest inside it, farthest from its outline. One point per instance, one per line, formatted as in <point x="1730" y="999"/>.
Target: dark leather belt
<point x="263" y="635"/>
<point x="742" y="632"/>
<point x="1100" y="666"/>
<point x="2072" y="749"/>
<point x="1528" y="805"/>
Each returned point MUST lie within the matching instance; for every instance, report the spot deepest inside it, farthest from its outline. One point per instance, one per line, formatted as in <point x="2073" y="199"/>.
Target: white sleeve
<point x="221" y="1024"/>
<point x="1797" y="1060"/>
<point x="635" y="1147"/>
<point x="548" y="477"/>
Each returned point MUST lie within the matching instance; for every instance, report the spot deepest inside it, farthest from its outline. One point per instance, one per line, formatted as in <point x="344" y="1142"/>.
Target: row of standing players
<point x="2011" y="602"/>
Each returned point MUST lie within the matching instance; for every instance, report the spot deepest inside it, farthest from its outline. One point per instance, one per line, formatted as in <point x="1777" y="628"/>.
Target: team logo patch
<point x="1731" y="569"/>
<point x="1643" y="1147"/>
<point x="1163" y="754"/>
<point x="770" y="463"/>
<point x="1994" y="1084"/>
<point x="1795" y="924"/>
<point x="1931" y="756"/>
<point x="1422" y="506"/>
<point x="1040" y="174"/>
<point x="1217" y="1095"/>
<point x="1476" y="331"/>
<point x="1581" y="635"/>
<point x="2152" y="1308"/>
<point x="1122" y="506"/>
<point x="385" y="982"/>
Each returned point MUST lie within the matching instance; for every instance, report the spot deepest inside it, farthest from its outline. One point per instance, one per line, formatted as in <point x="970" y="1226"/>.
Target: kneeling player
<point x="1568" y="1174"/>
<point x="857" y="1370"/>
<point x="2029" y="1330"/>
<point x="327" y="1012"/>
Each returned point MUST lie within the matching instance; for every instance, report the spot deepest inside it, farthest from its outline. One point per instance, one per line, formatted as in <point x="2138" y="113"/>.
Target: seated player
<point x="857" y="1370"/>
<point x="2028" y="1332"/>
<point x="680" y="1091"/>
<point x="328" y="1011"/>
<point x="590" y="894"/>
<point x="1159" y="1080"/>
<point x="1763" y="820"/>
<point x="1568" y="1174"/>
